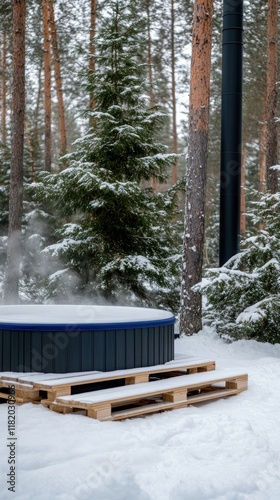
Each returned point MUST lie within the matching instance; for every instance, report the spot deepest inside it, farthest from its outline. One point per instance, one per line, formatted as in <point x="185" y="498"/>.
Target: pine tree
<point x="194" y="233"/>
<point x="11" y="283"/>
<point x="244" y="295"/>
<point x="121" y="241"/>
<point x="271" y="96"/>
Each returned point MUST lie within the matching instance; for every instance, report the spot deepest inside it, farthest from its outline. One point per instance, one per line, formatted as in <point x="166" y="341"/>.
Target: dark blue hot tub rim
<point x="71" y="327"/>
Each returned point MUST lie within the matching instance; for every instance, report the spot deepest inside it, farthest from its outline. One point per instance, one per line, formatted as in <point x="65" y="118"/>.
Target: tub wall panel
<point x="70" y="351"/>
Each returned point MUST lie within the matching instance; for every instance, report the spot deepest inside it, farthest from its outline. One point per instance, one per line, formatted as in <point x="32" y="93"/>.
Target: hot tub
<point x="75" y="338"/>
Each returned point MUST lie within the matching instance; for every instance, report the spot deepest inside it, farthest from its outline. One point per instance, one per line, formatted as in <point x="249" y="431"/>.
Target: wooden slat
<point x="14" y="376"/>
<point x="7" y="383"/>
<point x="46" y="378"/>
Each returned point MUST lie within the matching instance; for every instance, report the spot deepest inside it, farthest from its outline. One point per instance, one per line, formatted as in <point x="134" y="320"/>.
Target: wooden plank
<point x="53" y="377"/>
<point x="7" y="383"/>
<point x="14" y="376"/>
<point x="45" y="378"/>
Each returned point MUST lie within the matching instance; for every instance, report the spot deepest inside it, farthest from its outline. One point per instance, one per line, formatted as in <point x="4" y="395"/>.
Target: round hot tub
<point x="75" y="338"/>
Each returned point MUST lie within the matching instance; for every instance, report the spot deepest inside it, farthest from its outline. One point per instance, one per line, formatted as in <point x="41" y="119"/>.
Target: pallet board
<point x="177" y="392"/>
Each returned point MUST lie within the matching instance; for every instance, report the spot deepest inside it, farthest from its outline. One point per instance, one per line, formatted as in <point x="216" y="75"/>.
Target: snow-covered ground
<point x="226" y="449"/>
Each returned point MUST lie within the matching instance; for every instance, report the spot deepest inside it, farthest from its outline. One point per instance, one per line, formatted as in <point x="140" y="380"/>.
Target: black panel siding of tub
<point x="77" y="350"/>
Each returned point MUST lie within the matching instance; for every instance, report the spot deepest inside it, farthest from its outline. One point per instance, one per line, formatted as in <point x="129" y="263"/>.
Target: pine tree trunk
<point x="191" y="314"/>
<point x="4" y="89"/>
<point x="58" y="82"/>
<point x="92" y="50"/>
<point x="174" y="115"/>
<point x="272" y="74"/>
<point x="47" y="84"/>
<point x="37" y="129"/>
<point x="262" y="164"/>
<point x="30" y="150"/>
<point x="150" y="57"/>
<point x="153" y="183"/>
<point x="11" y="282"/>
<point x="243" y="197"/>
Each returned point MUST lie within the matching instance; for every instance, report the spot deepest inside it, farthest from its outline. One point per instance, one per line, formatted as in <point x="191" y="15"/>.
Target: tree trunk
<point x="153" y="183"/>
<point x="58" y="82"/>
<point x="150" y="57"/>
<point x="271" y="139"/>
<point x="47" y="84"/>
<point x="36" y="132"/>
<point x="30" y="150"/>
<point x="173" y="86"/>
<point x="4" y="89"/>
<point x="262" y="146"/>
<point x="92" y="51"/>
<point x="11" y="283"/>
<point x="191" y="314"/>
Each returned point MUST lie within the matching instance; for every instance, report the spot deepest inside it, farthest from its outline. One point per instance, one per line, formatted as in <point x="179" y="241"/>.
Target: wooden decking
<point x="126" y="393"/>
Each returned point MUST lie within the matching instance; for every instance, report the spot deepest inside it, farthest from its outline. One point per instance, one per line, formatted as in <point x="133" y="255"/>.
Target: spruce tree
<point x="244" y="295"/>
<point x="120" y="236"/>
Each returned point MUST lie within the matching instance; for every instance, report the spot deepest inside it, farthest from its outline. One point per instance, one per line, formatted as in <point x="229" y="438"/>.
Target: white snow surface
<point x="79" y="314"/>
<point x="228" y="449"/>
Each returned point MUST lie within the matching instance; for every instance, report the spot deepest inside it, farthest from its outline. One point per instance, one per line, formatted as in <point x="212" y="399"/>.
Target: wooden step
<point x="142" y="398"/>
<point x="52" y="386"/>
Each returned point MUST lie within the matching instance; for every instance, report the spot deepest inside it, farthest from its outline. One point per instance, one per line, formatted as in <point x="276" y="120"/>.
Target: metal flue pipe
<point x="231" y="134"/>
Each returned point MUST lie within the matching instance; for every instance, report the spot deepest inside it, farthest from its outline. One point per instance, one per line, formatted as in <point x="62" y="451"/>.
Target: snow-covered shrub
<point x="243" y="296"/>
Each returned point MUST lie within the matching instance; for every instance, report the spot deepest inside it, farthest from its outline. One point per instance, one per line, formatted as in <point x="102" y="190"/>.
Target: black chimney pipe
<point x="231" y="134"/>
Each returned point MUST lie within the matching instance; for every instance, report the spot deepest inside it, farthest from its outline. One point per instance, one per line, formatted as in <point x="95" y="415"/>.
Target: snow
<point x="78" y="314"/>
<point x="136" y="262"/>
<point x="228" y="449"/>
<point x="252" y="313"/>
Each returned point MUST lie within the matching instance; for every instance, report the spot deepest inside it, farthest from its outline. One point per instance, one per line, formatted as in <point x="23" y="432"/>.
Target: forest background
<point x="60" y="40"/>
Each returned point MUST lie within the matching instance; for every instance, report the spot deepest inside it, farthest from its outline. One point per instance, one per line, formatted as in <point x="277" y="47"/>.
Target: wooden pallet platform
<point x="134" y="400"/>
<point x="50" y="386"/>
